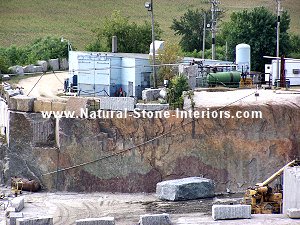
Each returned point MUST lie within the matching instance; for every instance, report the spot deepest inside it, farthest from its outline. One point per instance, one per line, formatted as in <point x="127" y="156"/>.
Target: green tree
<point x="258" y="29"/>
<point x="131" y="36"/>
<point x="170" y="54"/>
<point x="48" y="48"/>
<point x="294" y="46"/>
<point x="190" y="27"/>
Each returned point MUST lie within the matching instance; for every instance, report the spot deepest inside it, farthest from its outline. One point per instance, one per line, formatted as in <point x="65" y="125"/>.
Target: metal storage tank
<point x="243" y="57"/>
<point x="227" y="79"/>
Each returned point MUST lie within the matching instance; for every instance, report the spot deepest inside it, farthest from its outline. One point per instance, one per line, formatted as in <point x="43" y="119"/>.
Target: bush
<point x="178" y="84"/>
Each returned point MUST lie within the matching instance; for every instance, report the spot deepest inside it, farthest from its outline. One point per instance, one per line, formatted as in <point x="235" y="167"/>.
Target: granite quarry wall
<point x="235" y="153"/>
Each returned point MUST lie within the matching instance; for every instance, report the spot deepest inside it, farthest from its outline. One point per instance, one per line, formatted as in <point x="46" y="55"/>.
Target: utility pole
<point x="149" y="6"/>
<point x="214" y="10"/>
<point x="204" y="36"/>
<point x="278" y="37"/>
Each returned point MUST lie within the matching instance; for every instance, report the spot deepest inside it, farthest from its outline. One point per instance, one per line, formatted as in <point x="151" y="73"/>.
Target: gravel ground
<point x="126" y="208"/>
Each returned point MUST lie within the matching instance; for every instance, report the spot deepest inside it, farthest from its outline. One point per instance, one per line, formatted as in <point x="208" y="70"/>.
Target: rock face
<point x="185" y="189"/>
<point x="234" y="153"/>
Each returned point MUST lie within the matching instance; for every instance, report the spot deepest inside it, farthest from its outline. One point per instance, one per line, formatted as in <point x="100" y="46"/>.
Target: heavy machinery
<point x="265" y="199"/>
<point x="16" y="186"/>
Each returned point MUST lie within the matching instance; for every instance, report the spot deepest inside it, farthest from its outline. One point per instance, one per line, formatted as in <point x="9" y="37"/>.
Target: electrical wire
<point x="141" y="144"/>
<point x="36" y="83"/>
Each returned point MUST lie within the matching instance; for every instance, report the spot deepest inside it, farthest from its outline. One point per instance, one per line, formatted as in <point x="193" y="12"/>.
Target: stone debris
<point x="35" y="221"/>
<point x="96" y="221"/>
<point x="150" y="94"/>
<point x="223" y="212"/>
<point x="43" y="64"/>
<point x="293" y="213"/>
<point x="13" y="216"/>
<point x="53" y="64"/>
<point x="18" y="203"/>
<point x="155" y="219"/>
<point x="185" y="189"/>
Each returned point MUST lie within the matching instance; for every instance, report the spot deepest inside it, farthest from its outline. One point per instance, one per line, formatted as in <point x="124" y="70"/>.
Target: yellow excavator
<point x="265" y="199"/>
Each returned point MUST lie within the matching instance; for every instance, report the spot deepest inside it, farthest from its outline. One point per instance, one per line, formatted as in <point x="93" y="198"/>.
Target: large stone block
<point x="76" y="104"/>
<point x="185" y="189"/>
<point x="152" y="107"/>
<point x="291" y="190"/>
<point x="18" y="203"/>
<point x="40" y="106"/>
<point x="63" y="64"/>
<point x="96" y="221"/>
<point x="155" y="219"/>
<point x="22" y="103"/>
<point x="43" y="64"/>
<point x="35" y="221"/>
<point x="16" y="70"/>
<point x="293" y="213"/>
<point x="150" y="94"/>
<point x="13" y="216"/>
<point x="53" y="64"/>
<point x="28" y="69"/>
<point x="58" y="106"/>
<point x="223" y="212"/>
<point x="117" y="103"/>
<point x="38" y="69"/>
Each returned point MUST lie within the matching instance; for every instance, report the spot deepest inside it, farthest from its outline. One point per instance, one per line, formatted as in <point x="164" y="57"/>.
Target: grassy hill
<point x="25" y="20"/>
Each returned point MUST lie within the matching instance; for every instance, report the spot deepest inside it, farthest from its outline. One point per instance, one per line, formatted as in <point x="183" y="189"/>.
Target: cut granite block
<point x="35" y="221"/>
<point x="18" y="203"/>
<point x="293" y="213"/>
<point x="185" y="189"/>
<point x="223" y="212"/>
<point x="155" y="219"/>
<point x="96" y="221"/>
<point x="13" y="216"/>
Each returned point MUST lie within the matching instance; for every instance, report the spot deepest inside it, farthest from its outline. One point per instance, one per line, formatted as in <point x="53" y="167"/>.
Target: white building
<point x="103" y="74"/>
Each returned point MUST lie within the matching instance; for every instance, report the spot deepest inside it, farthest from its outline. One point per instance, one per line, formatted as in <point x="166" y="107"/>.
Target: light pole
<point x="149" y="6"/>
<point x="204" y="35"/>
<point x="69" y="45"/>
<point x="277" y="37"/>
<point x="214" y="10"/>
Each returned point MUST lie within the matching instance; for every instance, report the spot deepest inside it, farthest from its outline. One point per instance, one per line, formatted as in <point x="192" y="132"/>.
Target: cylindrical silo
<point x="243" y="58"/>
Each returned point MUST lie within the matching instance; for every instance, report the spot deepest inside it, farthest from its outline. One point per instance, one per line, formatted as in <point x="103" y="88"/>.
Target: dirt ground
<point x="66" y="208"/>
<point x="49" y="86"/>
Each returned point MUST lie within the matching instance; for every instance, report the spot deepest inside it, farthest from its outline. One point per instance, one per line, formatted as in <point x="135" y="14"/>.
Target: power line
<point x="141" y="144"/>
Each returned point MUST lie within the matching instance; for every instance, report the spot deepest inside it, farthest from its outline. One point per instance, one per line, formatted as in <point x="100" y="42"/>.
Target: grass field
<point x="25" y="20"/>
